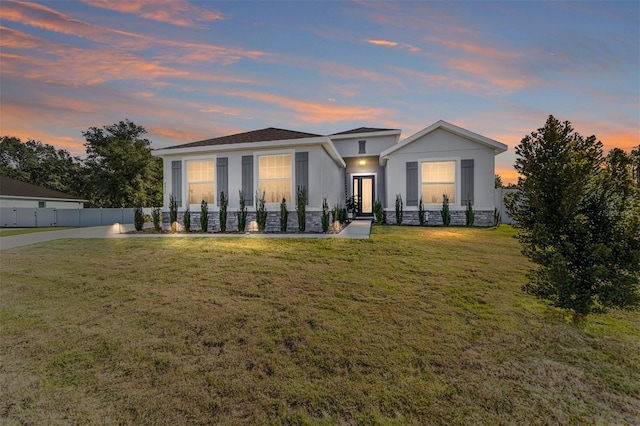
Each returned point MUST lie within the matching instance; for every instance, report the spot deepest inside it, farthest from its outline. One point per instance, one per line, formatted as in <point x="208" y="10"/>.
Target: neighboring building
<point x="367" y="163"/>
<point x="17" y="194"/>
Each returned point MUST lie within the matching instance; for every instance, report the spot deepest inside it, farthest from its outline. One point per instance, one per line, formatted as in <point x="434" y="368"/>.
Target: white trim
<point x="497" y="147"/>
<point x="457" y="183"/>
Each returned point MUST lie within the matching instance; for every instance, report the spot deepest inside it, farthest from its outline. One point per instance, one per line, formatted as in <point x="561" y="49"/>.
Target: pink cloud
<point x="310" y="112"/>
<point x="353" y="73"/>
<point x="388" y="43"/>
<point x="176" y="12"/>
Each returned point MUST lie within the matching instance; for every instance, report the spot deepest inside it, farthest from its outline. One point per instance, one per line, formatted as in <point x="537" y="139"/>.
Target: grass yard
<point x="415" y="326"/>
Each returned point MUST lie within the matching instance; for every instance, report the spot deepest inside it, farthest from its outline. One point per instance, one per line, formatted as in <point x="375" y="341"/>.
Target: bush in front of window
<point x="284" y="215"/>
<point x="446" y="215"/>
<point x="301" y="208"/>
<point x="398" y="209"/>
<point x="242" y="213"/>
<point x="261" y="212"/>
<point x="204" y="216"/>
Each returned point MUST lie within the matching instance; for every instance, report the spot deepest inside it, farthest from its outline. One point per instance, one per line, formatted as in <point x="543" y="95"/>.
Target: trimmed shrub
<point x="186" y="220"/>
<point x="325" y="216"/>
<point x="422" y="214"/>
<point x="138" y="219"/>
<point x="224" y="202"/>
<point x="173" y="210"/>
<point x="497" y="218"/>
<point x="284" y="215"/>
<point x="398" y="209"/>
<point x="156" y="217"/>
<point x="301" y="208"/>
<point x="378" y="212"/>
<point x="204" y="216"/>
<point x="470" y="215"/>
<point x="242" y="213"/>
<point x="261" y="212"/>
<point x="446" y="215"/>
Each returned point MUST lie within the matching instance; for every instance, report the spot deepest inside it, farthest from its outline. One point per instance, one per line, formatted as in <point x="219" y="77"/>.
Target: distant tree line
<point x="118" y="171"/>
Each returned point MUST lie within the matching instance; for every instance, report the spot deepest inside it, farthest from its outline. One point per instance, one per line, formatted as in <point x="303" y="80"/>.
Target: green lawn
<point x="414" y="326"/>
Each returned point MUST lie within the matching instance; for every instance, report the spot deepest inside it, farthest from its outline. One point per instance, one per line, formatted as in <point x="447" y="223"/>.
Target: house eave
<point x="498" y="147"/>
<point x="29" y="198"/>
<point x="324" y="141"/>
<point x="366" y="135"/>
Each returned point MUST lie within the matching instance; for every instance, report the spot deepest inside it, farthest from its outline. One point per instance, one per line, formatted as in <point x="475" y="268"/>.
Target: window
<point x="275" y="177"/>
<point x="362" y="147"/>
<point x="41" y="204"/>
<point x="200" y="181"/>
<point x="438" y="178"/>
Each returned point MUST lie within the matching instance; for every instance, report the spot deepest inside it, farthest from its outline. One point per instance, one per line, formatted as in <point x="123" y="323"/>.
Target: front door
<point x="363" y="194"/>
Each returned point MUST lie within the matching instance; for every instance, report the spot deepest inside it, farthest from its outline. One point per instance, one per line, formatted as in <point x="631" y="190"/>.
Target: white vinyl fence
<point x="498" y="200"/>
<point x="26" y="217"/>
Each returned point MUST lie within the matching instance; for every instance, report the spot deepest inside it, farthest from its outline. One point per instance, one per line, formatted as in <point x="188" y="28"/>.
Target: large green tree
<point x="578" y="214"/>
<point x="41" y="164"/>
<point x="123" y="171"/>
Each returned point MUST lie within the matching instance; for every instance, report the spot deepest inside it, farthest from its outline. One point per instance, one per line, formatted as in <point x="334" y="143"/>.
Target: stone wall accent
<point x="433" y="217"/>
<point x="313" y="221"/>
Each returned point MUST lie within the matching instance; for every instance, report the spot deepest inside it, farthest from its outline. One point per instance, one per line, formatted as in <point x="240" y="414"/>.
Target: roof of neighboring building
<point x="15" y="188"/>
<point x="362" y="130"/>
<point x="262" y="135"/>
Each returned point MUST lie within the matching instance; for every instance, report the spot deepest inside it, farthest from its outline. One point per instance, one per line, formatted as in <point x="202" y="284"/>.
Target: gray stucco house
<point x="368" y="163"/>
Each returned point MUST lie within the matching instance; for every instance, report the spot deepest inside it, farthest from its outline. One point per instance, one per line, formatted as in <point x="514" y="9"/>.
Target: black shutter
<point x="412" y="183"/>
<point x="222" y="176"/>
<point x="247" y="177"/>
<point x="302" y="171"/>
<point x="176" y="181"/>
<point x="466" y="186"/>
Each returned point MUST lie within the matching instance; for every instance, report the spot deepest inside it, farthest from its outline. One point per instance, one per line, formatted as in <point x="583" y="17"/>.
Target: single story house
<point x="17" y="194"/>
<point x="367" y="163"/>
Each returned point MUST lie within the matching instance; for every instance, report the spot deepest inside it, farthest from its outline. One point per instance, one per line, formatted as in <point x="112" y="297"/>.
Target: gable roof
<point x="498" y="147"/>
<point x="262" y="135"/>
<point x="15" y="188"/>
<point x="361" y="130"/>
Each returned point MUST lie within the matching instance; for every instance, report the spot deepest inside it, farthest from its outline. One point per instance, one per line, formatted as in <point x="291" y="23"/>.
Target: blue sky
<point x="193" y="70"/>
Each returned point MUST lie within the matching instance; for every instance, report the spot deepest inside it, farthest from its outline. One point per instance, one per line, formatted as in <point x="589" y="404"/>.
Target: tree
<point x="578" y="215"/>
<point x="123" y="171"/>
<point x="498" y="181"/>
<point x="635" y="154"/>
<point x="41" y="164"/>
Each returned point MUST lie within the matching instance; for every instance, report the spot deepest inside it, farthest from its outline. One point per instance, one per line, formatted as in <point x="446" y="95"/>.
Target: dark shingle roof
<point x="262" y="135"/>
<point x="16" y="188"/>
<point x="362" y="130"/>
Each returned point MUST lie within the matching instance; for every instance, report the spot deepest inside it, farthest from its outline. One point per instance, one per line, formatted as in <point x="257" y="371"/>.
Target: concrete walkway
<point x="358" y="229"/>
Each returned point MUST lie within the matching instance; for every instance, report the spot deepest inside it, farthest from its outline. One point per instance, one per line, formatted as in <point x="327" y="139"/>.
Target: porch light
<point x="362" y="162"/>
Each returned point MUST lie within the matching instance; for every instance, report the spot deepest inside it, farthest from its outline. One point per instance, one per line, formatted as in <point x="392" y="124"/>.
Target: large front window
<point x="275" y="177"/>
<point x="200" y="181"/>
<point x="438" y="179"/>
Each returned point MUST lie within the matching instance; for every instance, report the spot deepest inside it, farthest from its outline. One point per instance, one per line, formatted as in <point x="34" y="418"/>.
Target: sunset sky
<point x="190" y="70"/>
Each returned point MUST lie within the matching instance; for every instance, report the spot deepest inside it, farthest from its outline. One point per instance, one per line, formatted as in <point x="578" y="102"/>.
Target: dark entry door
<point x="364" y="194"/>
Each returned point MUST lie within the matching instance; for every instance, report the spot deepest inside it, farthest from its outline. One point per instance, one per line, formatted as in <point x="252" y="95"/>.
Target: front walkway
<point x="358" y="229"/>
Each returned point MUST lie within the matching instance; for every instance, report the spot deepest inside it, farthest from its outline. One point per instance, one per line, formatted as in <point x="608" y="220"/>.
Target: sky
<point x="192" y="70"/>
